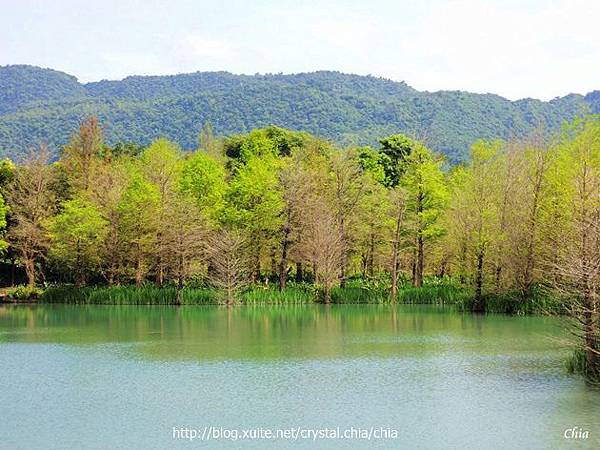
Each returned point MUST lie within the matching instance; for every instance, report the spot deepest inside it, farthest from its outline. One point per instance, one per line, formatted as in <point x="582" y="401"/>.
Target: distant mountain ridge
<point x="46" y="105"/>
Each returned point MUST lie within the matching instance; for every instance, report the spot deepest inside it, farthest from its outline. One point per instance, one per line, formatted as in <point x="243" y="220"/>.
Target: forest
<point x="42" y="104"/>
<point x="280" y="215"/>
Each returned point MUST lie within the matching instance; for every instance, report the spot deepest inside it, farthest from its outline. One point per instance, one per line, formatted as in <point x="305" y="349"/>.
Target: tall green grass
<point x="127" y="295"/>
<point x="536" y="301"/>
<point x="577" y="363"/>
<point x="433" y="294"/>
<point x="293" y="294"/>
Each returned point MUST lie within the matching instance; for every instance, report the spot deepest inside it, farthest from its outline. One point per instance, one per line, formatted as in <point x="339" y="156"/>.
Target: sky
<point x="515" y="48"/>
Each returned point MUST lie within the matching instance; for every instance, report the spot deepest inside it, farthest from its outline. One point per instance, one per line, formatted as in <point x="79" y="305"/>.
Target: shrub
<point x="24" y="293"/>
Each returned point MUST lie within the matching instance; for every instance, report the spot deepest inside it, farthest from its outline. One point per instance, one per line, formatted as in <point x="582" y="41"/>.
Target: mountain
<point x="41" y="104"/>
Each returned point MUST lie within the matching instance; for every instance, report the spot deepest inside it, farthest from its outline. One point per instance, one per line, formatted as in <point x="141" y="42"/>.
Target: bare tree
<point x="228" y="270"/>
<point x="323" y="245"/>
<point x="32" y="202"/>
<point x="80" y="155"/>
<point x="184" y="240"/>
<point x="579" y="283"/>
<point x="578" y="263"/>
<point x="349" y="187"/>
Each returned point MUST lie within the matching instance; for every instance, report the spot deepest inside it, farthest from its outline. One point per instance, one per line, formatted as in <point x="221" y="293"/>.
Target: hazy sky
<point x="515" y="48"/>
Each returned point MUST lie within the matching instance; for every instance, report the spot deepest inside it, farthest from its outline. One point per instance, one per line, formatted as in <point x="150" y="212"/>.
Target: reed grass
<point x="435" y="292"/>
<point x="127" y="295"/>
<point x="433" y="295"/>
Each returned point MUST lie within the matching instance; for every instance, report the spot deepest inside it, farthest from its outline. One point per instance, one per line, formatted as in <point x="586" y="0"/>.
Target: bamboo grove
<point x="276" y="207"/>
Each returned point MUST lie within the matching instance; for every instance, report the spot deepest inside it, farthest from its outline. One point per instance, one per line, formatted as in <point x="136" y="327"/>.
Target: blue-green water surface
<point x="112" y="377"/>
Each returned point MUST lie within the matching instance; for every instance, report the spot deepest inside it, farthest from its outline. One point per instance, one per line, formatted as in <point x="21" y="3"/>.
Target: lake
<point x="137" y="377"/>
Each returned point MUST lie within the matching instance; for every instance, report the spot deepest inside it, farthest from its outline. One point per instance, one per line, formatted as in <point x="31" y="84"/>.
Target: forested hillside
<point x="41" y="104"/>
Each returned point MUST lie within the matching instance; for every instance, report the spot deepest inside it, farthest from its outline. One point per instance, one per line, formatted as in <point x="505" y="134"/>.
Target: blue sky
<point x="526" y="48"/>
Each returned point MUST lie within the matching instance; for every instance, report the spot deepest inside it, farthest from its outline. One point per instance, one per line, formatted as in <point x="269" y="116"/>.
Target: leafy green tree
<point x="394" y="152"/>
<point x="479" y="190"/>
<point x="3" y="211"/>
<point x="77" y="233"/>
<point x="139" y="209"/>
<point x="203" y="178"/>
<point x="426" y="197"/>
<point x="575" y="188"/>
<point x="255" y="204"/>
<point x="161" y="163"/>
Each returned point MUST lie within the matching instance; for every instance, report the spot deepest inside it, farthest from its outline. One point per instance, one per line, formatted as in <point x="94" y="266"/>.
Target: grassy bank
<point x="435" y="291"/>
<point x="155" y="295"/>
<point x="536" y="301"/>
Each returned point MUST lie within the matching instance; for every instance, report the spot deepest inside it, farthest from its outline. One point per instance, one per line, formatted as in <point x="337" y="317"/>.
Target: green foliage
<point x="24" y="293"/>
<point x="203" y="178"/>
<point x="577" y="363"/>
<point x="76" y="233"/>
<point x="395" y="151"/>
<point x="127" y="295"/>
<point x="40" y="104"/>
<point x="3" y="211"/>
<point x="426" y="188"/>
<point x="537" y="301"/>
<point x="440" y="294"/>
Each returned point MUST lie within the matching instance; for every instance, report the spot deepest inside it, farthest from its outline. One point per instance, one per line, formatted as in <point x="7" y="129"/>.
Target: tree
<point x="139" y="209"/>
<point x="373" y="212"/>
<point x="161" y="164"/>
<point x="426" y="196"/>
<point x="479" y="196"/>
<point x="323" y="245"/>
<point x="292" y="181"/>
<point x="578" y="263"/>
<point x="209" y="143"/>
<point x="108" y="183"/>
<point x="203" y="178"/>
<point x="80" y="155"/>
<point x="32" y="202"/>
<point x="398" y="209"/>
<point x="77" y="233"/>
<point x="229" y="268"/>
<point x="3" y="211"/>
<point x="394" y="152"/>
<point x="349" y="186"/>
<point x="537" y="160"/>
<point x="184" y="238"/>
<point x="255" y="204"/>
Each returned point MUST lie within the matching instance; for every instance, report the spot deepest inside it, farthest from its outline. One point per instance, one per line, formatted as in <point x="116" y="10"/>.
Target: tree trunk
<point x="396" y="254"/>
<point x="371" y="260"/>
<point x="343" y="255"/>
<point x="327" y="294"/>
<point x="420" y="262"/>
<point x="12" y="272"/>
<point x="180" y="272"/>
<point x="284" y="259"/>
<point x="138" y="266"/>
<point x="30" y="272"/>
<point x="478" y="302"/>
<point x="274" y="268"/>
<point x="178" y="292"/>
<point x="463" y="262"/>
<point x="299" y="273"/>
<point x="257" y="264"/>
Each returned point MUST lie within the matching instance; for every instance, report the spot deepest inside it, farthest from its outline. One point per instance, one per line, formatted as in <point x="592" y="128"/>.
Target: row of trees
<point x="274" y="204"/>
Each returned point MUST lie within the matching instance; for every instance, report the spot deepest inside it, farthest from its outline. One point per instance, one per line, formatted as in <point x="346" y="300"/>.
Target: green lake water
<point x="112" y="377"/>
